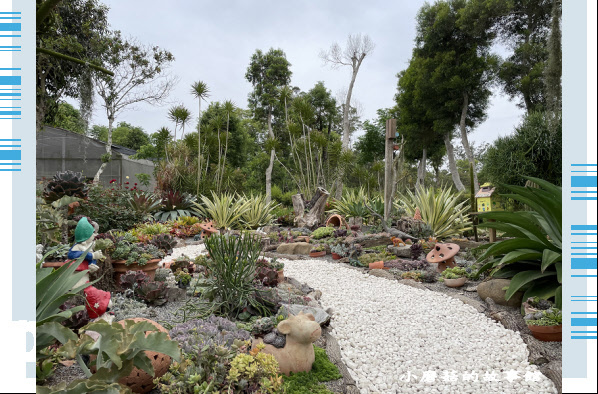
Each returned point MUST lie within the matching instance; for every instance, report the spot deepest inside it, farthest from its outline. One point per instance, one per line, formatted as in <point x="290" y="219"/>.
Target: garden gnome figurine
<point x="98" y="303"/>
<point x="84" y="240"/>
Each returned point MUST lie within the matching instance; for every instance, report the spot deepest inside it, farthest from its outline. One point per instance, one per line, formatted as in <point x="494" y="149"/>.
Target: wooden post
<point x="492" y="232"/>
<point x="391" y="130"/>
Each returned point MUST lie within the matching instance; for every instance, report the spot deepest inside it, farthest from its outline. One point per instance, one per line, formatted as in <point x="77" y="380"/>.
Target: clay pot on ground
<point x="455" y="282"/>
<point x="443" y="255"/>
<point x="280" y="276"/>
<point x="53" y="264"/>
<point x="317" y="254"/>
<point x="377" y="265"/>
<point x="547" y="333"/>
<point x="120" y="268"/>
<point x="336" y="256"/>
<point x="337" y="221"/>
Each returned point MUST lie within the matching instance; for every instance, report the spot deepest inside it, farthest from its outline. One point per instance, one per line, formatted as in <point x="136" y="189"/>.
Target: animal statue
<point x="297" y="355"/>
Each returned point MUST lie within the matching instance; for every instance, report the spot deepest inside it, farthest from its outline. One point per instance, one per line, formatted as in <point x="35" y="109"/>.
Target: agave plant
<point x="174" y="205"/>
<point x="143" y="202"/>
<point x="66" y="183"/>
<point x="532" y="254"/>
<point x="441" y="210"/>
<point x="352" y="205"/>
<point x="259" y="212"/>
<point x="225" y="210"/>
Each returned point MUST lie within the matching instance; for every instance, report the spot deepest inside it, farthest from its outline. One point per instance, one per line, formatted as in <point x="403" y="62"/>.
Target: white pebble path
<point x="387" y="330"/>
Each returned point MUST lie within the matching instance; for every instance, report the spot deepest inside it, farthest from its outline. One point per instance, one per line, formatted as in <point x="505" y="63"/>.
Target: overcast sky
<point x="213" y="41"/>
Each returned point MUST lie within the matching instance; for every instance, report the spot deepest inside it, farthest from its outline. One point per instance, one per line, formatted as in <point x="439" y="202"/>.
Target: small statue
<point x="84" y="239"/>
<point x="98" y="304"/>
<point x="297" y="353"/>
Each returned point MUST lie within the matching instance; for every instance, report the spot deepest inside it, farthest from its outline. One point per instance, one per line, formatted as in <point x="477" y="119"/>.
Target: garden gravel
<point x="399" y="339"/>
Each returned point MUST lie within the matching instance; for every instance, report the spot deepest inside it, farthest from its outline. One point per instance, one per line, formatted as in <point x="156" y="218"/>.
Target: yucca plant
<point x="532" y="254"/>
<point x="225" y="210"/>
<point x="259" y="212"/>
<point x="441" y="210"/>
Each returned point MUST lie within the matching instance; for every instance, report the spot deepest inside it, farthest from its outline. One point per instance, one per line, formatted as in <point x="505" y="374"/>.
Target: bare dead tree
<point x="356" y="49"/>
<point x="140" y="76"/>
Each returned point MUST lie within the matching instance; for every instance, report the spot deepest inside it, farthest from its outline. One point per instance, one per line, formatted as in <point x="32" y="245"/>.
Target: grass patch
<point x="310" y="382"/>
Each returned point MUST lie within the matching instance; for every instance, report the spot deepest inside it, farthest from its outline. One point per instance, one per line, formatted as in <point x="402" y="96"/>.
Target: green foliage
<point x="143" y="203"/>
<point x="69" y="118"/>
<point x="549" y="317"/>
<point x="532" y="254"/>
<point x="535" y="149"/>
<point x="226" y="210"/>
<point x="284" y="199"/>
<point x="441" y="210"/>
<point x="322" y="232"/>
<point x="310" y="382"/>
<point x="231" y="286"/>
<point x="454" y="273"/>
<point x="52" y="222"/>
<point x="352" y="204"/>
<point x="174" y="205"/>
<point x="249" y="370"/>
<point x="368" y="258"/>
<point x="135" y="253"/>
<point x="144" y="179"/>
<point x="259" y="212"/>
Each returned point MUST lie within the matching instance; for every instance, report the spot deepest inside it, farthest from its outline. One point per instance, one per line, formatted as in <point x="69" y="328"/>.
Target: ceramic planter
<point x="455" y="282"/>
<point x="547" y="333"/>
<point x="120" y="267"/>
<point x="336" y="256"/>
<point x="377" y="265"/>
<point x="317" y="254"/>
<point x="54" y="264"/>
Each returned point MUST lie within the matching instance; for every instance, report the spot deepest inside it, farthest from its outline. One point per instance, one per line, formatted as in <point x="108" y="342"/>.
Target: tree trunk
<point x="312" y="218"/>
<point x="271" y="165"/>
<point x="452" y="163"/>
<point x="465" y="140"/>
<point x="421" y="170"/>
<point x="96" y="178"/>
<point x="199" y="147"/>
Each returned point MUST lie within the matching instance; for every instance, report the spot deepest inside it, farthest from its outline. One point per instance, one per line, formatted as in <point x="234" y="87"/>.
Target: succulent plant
<point x="194" y="335"/>
<point x="77" y="319"/>
<point x="133" y="279"/>
<point x="275" y="339"/>
<point x="416" y="250"/>
<point x="341" y="232"/>
<point x="152" y="293"/>
<point x="322" y="232"/>
<point x="407" y="265"/>
<point x="66" y="183"/>
<point x="263" y="325"/>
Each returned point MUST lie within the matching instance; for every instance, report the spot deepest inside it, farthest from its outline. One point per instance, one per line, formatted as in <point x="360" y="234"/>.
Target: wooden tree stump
<point x="309" y="214"/>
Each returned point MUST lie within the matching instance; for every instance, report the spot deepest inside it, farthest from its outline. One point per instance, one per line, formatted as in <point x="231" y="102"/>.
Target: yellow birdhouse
<point x="488" y="199"/>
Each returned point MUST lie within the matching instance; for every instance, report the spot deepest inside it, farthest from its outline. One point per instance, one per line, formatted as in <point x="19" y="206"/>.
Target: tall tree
<point x="140" y="77"/>
<point x="554" y="69"/>
<point x="181" y="116"/>
<point x="355" y="51"/>
<point x="462" y="68"/>
<point x="201" y="92"/>
<point x="63" y="32"/>
<point x="267" y="73"/>
<point x="69" y="118"/>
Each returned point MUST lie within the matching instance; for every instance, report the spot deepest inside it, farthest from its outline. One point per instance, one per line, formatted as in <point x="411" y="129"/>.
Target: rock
<point x="400" y="251"/>
<point x="471" y="289"/>
<point x="367" y="241"/>
<point x="174" y="294"/>
<point x="466" y="300"/>
<point x="382" y="274"/>
<point x="301" y="287"/>
<point x="315" y="295"/>
<point x="321" y="316"/>
<point x="270" y="229"/>
<point x="412" y="283"/>
<point x="493" y="288"/>
<point x="294" y="248"/>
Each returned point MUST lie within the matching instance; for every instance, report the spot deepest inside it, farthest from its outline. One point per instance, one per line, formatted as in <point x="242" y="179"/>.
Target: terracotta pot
<point x="120" y="268"/>
<point x="547" y="333"/>
<point x="280" y="276"/>
<point x="54" y="264"/>
<point x="336" y="256"/>
<point x="317" y="254"/>
<point x="377" y="265"/>
<point x="455" y="282"/>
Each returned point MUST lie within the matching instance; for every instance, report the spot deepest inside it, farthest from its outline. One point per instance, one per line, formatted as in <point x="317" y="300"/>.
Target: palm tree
<point x="200" y="91"/>
<point x="229" y="108"/>
<point x="180" y="115"/>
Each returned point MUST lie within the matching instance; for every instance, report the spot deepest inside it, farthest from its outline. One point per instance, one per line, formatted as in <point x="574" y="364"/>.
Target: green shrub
<point x="454" y="273"/>
<point x="322" y="232"/>
<point x="259" y="212"/>
<point x="532" y="254"/>
<point x="225" y="210"/>
<point x="352" y="204"/>
<point x="366" y="259"/>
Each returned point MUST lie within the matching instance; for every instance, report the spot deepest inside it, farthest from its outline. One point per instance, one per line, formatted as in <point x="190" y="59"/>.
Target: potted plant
<point x="546" y="325"/>
<point x="377" y="265"/>
<point x="339" y="251"/>
<point x="129" y="256"/>
<point x="535" y="305"/>
<point x="454" y="277"/>
<point x="182" y="277"/>
<point x="279" y="267"/>
<point x="318" y="251"/>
